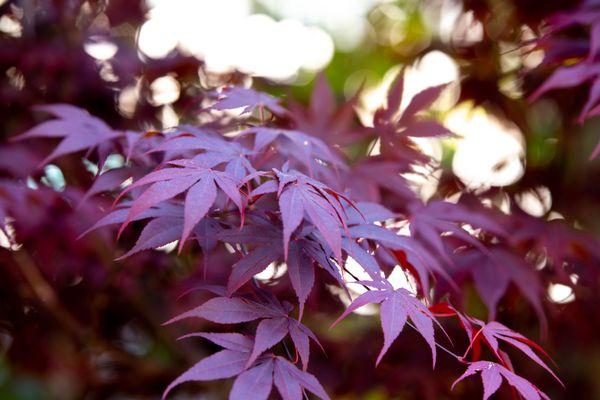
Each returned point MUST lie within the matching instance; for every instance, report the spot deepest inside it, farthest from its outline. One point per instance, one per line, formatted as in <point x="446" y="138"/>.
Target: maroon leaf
<point x="565" y="77"/>
<point x="108" y="181"/>
<point x="372" y="296"/>
<point x="157" y="193"/>
<point x="313" y="200"/>
<point x="292" y="211"/>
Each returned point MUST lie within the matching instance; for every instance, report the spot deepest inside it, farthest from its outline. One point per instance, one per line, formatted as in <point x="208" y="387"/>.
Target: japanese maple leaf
<point x="165" y="226"/>
<point x="255" y="378"/>
<point x="292" y="382"/>
<point x="264" y="242"/>
<point x="237" y="97"/>
<point x="493" y="332"/>
<point x="263" y="238"/>
<point x="302" y="198"/>
<point x="274" y="326"/>
<point x="445" y="309"/>
<point x="493" y="272"/>
<point x="300" y="267"/>
<point x="293" y="144"/>
<point x="78" y="129"/>
<point x="394" y="249"/>
<point x="428" y="222"/>
<point x="137" y="145"/>
<point x="255" y="383"/>
<point x="562" y="243"/>
<point x="119" y="215"/>
<point x="366" y="180"/>
<point x="19" y="160"/>
<point x="207" y="149"/>
<point x="182" y="139"/>
<point x="491" y="376"/>
<point x="397" y="305"/>
<point x="367" y="212"/>
<point x="561" y="50"/>
<point x="231" y="310"/>
<point x="227" y="363"/>
<point x="111" y="181"/>
<point x="396" y="127"/>
<point x="307" y="250"/>
<point x="588" y="14"/>
<point x="323" y="118"/>
<point x="199" y="182"/>
<point x="271" y="331"/>
<point x="361" y="220"/>
<point x="570" y="76"/>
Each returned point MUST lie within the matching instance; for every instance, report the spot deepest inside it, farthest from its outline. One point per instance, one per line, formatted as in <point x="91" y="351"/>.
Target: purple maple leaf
<point x="78" y="129"/>
<point x="237" y="97"/>
<point x="274" y="326"/>
<point x="185" y="175"/>
<point x="323" y="118"/>
<point x="491" y="376"/>
<point x="395" y="128"/>
<point x="301" y="197"/>
<point x="397" y="305"/>
<point x="308" y="151"/>
<point x="494" y="331"/>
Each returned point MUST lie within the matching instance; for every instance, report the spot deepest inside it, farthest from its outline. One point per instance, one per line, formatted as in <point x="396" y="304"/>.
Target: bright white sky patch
<point x="490" y="151"/>
<point x="536" y="202"/>
<point x="165" y="90"/>
<point x="227" y="36"/>
<point x="272" y="272"/>
<point x="101" y="50"/>
<point x="345" y="20"/>
<point x="560" y="294"/>
<point x="157" y="38"/>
